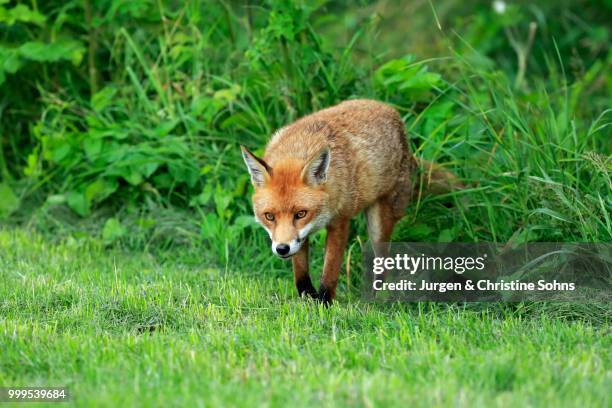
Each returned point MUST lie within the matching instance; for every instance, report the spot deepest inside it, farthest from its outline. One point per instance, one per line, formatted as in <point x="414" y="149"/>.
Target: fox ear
<point x="258" y="169"/>
<point x="315" y="172"/>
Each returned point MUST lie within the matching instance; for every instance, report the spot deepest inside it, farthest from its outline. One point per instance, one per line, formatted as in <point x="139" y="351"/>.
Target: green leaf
<point x="77" y="201"/>
<point x="92" y="146"/>
<point x="182" y="172"/>
<point x="113" y="231"/>
<point x="132" y="176"/>
<point x="222" y="202"/>
<point x="227" y="95"/>
<point x="21" y="14"/>
<point x="204" y="197"/>
<point x="244" y="221"/>
<point x="406" y="77"/>
<point x="9" y="202"/>
<point x="60" y="152"/>
<point x="32" y="167"/>
<point x="212" y="226"/>
<point x="147" y="169"/>
<point x="165" y="128"/>
<point x="70" y="50"/>
<point x="100" y="189"/>
<point x="56" y="199"/>
<point x="446" y="235"/>
<point x="146" y="223"/>
<point x="103" y="98"/>
<point x="9" y="60"/>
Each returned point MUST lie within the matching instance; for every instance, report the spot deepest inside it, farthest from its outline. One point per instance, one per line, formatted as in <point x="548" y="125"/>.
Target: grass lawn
<point x="128" y="328"/>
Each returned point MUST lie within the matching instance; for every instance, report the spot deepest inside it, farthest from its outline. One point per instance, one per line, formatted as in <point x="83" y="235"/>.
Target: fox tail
<point x="434" y="179"/>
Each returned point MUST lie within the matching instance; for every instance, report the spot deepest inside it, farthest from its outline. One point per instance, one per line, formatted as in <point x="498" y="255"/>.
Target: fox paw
<point x="305" y="288"/>
<point x="325" y="296"/>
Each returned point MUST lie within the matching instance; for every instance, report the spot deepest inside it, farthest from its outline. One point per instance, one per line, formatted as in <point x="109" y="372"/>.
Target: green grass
<point x="129" y="328"/>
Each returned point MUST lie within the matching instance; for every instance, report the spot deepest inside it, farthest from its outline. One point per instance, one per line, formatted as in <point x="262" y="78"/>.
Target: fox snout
<point x="286" y="249"/>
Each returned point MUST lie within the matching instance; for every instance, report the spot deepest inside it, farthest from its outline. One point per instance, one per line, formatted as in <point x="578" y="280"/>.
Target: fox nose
<point x="282" y="249"/>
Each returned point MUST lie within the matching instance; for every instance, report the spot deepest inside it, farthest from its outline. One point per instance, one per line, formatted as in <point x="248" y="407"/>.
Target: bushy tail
<point x="435" y="179"/>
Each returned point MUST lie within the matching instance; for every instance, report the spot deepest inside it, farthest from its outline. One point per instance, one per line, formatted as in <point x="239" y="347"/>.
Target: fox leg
<point x="381" y="221"/>
<point x="337" y="238"/>
<point x="387" y="211"/>
<point x="300" y="272"/>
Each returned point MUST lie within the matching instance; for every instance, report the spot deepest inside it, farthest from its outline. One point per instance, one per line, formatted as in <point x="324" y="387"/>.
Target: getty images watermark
<point x="489" y="272"/>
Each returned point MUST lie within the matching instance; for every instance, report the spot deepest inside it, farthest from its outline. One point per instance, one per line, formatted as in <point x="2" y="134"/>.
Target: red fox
<point x="325" y="168"/>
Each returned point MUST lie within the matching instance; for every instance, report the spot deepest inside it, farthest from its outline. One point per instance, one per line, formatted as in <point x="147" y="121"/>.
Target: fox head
<point x="291" y="199"/>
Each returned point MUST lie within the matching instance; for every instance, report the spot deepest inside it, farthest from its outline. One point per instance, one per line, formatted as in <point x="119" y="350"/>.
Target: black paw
<point x="305" y="288"/>
<point x="325" y="296"/>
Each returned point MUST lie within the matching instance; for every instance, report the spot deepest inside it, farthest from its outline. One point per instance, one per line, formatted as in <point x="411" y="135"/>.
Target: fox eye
<point x="300" y="214"/>
<point x="269" y="216"/>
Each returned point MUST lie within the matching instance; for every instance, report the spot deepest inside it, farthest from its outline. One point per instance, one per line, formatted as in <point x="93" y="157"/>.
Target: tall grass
<point x="537" y="169"/>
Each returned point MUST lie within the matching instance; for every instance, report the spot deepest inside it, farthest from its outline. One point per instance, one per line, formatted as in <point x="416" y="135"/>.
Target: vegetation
<point x="131" y="269"/>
